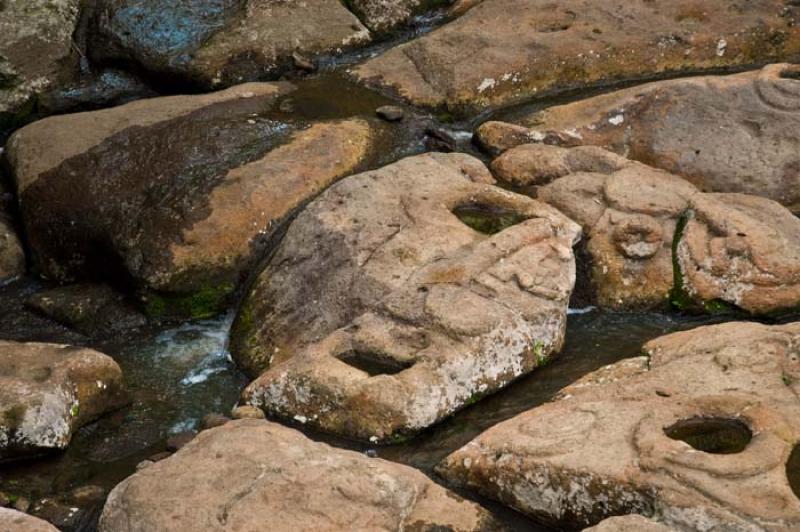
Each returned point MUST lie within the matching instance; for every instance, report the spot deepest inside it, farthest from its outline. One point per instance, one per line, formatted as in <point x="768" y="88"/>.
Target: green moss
<point x="206" y="302"/>
<point x="488" y="219"/>
<point x="718" y="306"/>
<point x="75" y="410"/>
<point x="679" y="297"/>
<point x="787" y="380"/>
<point x="538" y="352"/>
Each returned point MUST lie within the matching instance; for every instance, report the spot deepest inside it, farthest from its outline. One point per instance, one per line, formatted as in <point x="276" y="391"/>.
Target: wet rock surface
<point x="88" y="308"/>
<point x="385" y="349"/>
<point x="35" y="52"/>
<point x="248" y="473"/>
<point x="15" y="521"/>
<point x="697" y="432"/>
<point x="384" y="15"/>
<point x="215" y="43"/>
<point x="48" y="391"/>
<point x="504" y="51"/>
<point x="652" y="238"/>
<point x="178" y="193"/>
<point x="12" y="256"/>
<point x="723" y="133"/>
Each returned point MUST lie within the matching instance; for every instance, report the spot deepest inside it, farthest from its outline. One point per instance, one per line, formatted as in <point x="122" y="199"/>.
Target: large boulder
<point x="216" y="43"/>
<point x="178" y="193"/>
<point x="403" y="294"/>
<point x="654" y="238"/>
<point x="251" y="475"/>
<point x="48" y="391"/>
<point x="36" y="52"/>
<point x="735" y="133"/>
<point x="14" y="521"/>
<point x="505" y="51"/>
<point x="698" y="432"/>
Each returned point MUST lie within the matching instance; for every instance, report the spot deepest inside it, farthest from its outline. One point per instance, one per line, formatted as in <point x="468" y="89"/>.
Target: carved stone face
<point x="699" y="434"/>
<point x="642" y="224"/>
<point x="441" y="288"/>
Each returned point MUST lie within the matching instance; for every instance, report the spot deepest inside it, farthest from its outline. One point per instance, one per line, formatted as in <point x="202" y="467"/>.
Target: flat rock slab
<point x="48" y="391"/>
<point x="383" y="311"/>
<point x="221" y="42"/>
<point x="180" y="193"/>
<point x="698" y="432"/>
<point x="14" y="521"/>
<point x="505" y="51"/>
<point x="252" y="475"/>
<point x="734" y="133"/>
<point x="654" y="239"/>
<point x="629" y="523"/>
<point x="35" y="52"/>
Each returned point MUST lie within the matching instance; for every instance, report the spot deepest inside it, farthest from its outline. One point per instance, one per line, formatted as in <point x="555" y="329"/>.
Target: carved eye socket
<point x="793" y="470"/>
<point x="714" y="435"/>
<point x="488" y="219"/>
<point x="790" y="73"/>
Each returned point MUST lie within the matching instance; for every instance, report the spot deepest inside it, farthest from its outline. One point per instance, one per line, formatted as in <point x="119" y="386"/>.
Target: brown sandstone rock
<point x="48" y="391"/>
<point x="224" y="42"/>
<point x="253" y="475"/>
<point x="14" y="521"/>
<point x="505" y="51"/>
<point x="735" y="249"/>
<point x="698" y="434"/>
<point x="628" y="523"/>
<point x="382" y="312"/>
<point x="181" y="193"/>
<point x="35" y="52"/>
<point x="734" y="133"/>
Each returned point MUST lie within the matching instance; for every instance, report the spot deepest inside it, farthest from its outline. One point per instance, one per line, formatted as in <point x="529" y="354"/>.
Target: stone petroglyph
<point x="697" y="433"/>
<point x="382" y="312"/>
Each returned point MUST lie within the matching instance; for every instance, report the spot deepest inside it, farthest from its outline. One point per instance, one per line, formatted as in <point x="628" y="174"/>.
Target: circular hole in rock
<point x="488" y="219"/>
<point x="791" y="73"/>
<point x="715" y="435"/>
<point x="793" y="470"/>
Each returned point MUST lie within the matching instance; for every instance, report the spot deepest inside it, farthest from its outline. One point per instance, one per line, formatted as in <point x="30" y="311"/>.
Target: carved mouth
<point x="714" y="435"/>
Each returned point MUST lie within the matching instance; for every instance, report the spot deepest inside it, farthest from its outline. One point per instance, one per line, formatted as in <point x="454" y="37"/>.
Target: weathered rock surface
<point x="14" y="521"/>
<point x="734" y="133"/>
<point x="698" y="432"/>
<point x="12" y="256"/>
<point x="384" y="15"/>
<point x="221" y="42"/>
<point x="35" y="52"/>
<point x="642" y="223"/>
<point x="504" y="51"/>
<point x="88" y="308"/>
<point x="382" y="312"/>
<point x="250" y="474"/>
<point x="629" y="523"/>
<point x="48" y="391"/>
<point x="179" y="193"/>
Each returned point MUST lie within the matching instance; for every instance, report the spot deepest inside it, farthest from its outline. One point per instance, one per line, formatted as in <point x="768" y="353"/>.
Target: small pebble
<point x="143" y="464"/>
<point x="211" y="421"/>
<point x="303" y="63"/>
<point x="372" y="453"/>
<point x="85" y="495"/>
<point x="22" y="505"/>
<point x="390" y="113"/>
<point x="160" y="456"/>
<point x="248" y="412"/>
<point x="177" y="441"/>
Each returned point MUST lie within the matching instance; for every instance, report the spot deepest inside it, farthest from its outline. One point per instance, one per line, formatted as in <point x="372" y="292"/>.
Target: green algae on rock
<point x="179" y="194"/>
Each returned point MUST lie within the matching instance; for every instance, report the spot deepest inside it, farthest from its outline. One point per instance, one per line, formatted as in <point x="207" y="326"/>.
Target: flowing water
<point x="177" y="374"/>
